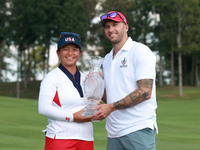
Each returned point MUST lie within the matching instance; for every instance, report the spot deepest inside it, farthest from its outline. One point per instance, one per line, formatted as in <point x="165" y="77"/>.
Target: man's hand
<point x="103" y="111"/>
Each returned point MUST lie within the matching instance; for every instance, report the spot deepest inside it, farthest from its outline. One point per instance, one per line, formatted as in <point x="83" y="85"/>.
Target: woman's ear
<point x="58" y="52"/>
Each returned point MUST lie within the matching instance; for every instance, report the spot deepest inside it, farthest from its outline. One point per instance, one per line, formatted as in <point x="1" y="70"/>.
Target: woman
<point x="62" y="101"/>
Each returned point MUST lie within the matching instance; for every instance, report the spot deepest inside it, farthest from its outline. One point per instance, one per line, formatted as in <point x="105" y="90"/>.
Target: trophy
<point x="93" y="86"/>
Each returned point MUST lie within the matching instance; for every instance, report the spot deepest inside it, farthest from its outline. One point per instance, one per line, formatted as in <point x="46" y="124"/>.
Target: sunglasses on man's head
<point x="65" y="34"/>
<point x="112" y="15"/>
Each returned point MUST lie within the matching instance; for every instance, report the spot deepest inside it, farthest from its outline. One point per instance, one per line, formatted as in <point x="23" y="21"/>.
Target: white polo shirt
<point x="60" y="96"/>
<point x="133" y="62"/>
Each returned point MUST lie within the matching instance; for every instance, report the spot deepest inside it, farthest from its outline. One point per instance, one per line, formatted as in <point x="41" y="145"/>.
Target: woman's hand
<point x="100" y="102"/>
<point x="90" y="73"/>
<point x="79" y="118"/>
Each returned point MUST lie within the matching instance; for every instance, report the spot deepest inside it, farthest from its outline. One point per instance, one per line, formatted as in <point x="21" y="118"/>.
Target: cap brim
<point x="102" y="22"/>
<point x="69" y="43"/>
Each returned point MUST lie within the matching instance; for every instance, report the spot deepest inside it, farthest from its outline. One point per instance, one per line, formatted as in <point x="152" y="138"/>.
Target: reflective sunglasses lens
<point x="113" y="15"/>
<point x="103" y="17"/>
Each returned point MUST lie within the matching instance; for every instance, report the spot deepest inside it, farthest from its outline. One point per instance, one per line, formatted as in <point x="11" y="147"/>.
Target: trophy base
<point x="88" y="112"/>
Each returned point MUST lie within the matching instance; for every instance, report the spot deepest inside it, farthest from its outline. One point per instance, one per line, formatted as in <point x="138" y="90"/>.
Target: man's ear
<point x="126" y="27"/>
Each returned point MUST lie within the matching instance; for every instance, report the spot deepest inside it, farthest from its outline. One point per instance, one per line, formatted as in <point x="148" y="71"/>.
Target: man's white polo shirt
<point x="133" y="62"/>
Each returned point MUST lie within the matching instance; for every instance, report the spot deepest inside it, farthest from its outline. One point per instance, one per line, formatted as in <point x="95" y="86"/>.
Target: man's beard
<point x="117" y="40"/>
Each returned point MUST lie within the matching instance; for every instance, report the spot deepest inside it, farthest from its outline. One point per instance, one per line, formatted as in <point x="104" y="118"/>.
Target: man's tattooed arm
<point x="139" y="95"/>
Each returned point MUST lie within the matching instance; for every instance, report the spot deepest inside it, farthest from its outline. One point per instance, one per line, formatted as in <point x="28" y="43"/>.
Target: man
<point x="130" y="97"/>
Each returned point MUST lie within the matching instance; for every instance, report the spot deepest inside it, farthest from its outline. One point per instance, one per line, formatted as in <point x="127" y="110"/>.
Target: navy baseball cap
<point x="68" y="37"/>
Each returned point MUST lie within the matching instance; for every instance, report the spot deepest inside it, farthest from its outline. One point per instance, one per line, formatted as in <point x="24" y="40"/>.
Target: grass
<point x="179" y="125"/>
<point x="177" y="117"/>
<point x="20" y="124"/>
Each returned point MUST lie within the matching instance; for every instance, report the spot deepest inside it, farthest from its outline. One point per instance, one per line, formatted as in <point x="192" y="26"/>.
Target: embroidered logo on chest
<point x="123" y="63"/>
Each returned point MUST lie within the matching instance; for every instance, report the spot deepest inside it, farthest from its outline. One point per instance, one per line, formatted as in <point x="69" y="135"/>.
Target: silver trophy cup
<point x="93" y="86"/>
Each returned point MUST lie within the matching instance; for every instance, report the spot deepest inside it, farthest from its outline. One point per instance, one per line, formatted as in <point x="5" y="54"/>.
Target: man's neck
<point x="117" y="47"/>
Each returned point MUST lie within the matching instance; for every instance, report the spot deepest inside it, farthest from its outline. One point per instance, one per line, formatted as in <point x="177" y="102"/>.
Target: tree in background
<point x="192" y="42"/>
<point x="166" y="33"/>
<point x="178" y="25"/>
<point x="3" y="30"/>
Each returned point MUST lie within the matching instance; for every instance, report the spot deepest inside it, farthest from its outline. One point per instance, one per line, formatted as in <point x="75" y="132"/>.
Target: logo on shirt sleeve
<point x="123" y="63"/>
<point x="56" y="99"/>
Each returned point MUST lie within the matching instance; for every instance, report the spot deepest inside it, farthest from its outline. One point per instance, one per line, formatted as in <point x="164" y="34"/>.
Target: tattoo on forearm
<point x="141" y="94"/>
